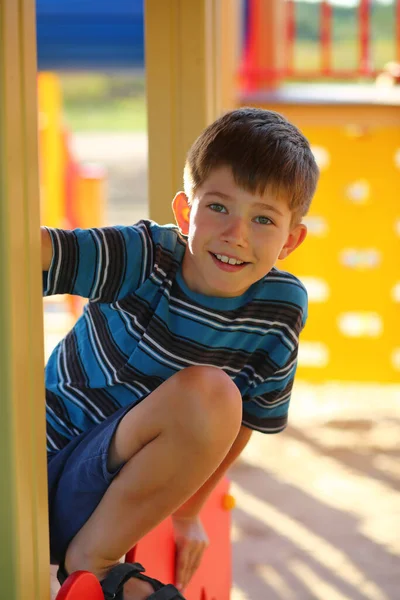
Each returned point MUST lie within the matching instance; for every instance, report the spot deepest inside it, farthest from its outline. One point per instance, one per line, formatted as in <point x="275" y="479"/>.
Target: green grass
<point x="104" y="102"/>
<point x="116" y="102"/>
<point x="128" y="114"/>
<point x="344" y="54"/>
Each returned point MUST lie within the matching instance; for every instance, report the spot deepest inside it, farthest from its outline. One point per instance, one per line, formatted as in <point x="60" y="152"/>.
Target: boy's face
<point x="226" y="224"/>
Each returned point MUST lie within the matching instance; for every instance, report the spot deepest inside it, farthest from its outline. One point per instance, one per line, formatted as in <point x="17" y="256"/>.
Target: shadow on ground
<point x="317" y="514"/>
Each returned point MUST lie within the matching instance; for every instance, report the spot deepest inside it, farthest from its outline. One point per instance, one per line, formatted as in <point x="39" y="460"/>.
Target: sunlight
<point x="312" y="581"/>
<point x="238" y="594"/>
<point x="275" y="581"/>
<point x="316" y="547"/>
<point x="335" y="484"/>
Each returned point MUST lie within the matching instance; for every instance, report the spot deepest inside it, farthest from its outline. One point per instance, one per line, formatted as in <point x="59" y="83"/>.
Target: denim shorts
<point x="77" y="481"/>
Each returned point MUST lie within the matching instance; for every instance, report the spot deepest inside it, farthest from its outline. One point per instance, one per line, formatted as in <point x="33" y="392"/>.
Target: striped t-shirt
<point x="142" y="324"/>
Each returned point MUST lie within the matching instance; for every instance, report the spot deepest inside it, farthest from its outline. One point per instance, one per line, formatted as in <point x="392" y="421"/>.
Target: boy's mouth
<point x="227" y="263"/>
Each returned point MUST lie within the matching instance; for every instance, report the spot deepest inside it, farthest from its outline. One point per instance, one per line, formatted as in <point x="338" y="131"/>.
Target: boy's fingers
<point x="194" y="556"/>
<point x="182" y="565"/>
<point x="197" y="560"/>
<point x="191" y="564"/>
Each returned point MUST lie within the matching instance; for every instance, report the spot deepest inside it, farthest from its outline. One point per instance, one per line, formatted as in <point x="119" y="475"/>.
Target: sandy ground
<point x="318" y="506"/>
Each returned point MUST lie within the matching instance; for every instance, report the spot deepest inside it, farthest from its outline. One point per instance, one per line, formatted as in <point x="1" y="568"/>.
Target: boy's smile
<point x="234" y="237"/>
<point x="228" y="263"/>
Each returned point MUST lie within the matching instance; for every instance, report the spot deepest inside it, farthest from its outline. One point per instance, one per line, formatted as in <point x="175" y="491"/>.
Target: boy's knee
<point x="211" y="403"/>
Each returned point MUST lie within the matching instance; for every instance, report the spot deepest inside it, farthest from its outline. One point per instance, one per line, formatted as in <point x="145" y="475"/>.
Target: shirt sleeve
<point x="266" y="404"/>
<point x="267" y="408"/>
<point x="101" y="264"/>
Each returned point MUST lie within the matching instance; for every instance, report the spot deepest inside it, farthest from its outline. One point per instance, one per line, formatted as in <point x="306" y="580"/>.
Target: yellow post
<point x="52" y="152"/>
<point x="24" y="560"/>
<point x="183" y="89"/>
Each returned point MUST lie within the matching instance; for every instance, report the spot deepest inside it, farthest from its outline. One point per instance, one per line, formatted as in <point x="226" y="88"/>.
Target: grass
<point x="116" y="102"/>
<point x="344" y="54"/>
<point x="104" y="102"/>
<point x="128" y="114"/>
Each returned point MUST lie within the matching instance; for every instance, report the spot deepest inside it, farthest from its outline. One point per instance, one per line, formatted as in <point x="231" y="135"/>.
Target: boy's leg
<point x="171" y="443"/>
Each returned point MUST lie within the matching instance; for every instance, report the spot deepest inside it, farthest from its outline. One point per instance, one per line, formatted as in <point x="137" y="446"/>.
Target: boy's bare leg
<point x="171" y="442"/>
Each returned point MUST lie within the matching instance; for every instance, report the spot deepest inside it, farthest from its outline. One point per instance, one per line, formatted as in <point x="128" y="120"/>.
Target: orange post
<point x="90" y="200"/>
<point x="264" y="64"/>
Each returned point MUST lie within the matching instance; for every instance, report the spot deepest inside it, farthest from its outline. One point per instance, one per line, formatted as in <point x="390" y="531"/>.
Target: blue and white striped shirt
<point x="142" y="324"/>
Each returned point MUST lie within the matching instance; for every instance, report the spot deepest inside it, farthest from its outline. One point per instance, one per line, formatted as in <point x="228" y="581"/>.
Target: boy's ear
<point x="296" y="237"/>
<point x="181" y="208"/>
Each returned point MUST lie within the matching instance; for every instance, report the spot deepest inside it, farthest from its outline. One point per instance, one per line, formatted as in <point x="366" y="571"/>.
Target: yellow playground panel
<point x="350" y="261"/>
<point x="72" y="195"/>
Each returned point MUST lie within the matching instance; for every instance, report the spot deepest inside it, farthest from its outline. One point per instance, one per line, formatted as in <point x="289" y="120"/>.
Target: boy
<point x="189" y="342"/>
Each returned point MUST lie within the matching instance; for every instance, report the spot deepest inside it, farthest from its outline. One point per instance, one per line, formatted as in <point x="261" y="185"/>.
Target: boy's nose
<point x="236" y="232"/>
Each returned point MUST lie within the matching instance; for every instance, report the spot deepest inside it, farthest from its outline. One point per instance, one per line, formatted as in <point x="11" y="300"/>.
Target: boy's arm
<point x="191" y="538"/>
<point x="192" y="507"/>
<point x="102" y="264"/>
<point x="47" y="249"/>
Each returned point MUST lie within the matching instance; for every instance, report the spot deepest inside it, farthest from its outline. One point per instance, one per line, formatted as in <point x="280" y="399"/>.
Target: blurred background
<point x="318" y="506"/>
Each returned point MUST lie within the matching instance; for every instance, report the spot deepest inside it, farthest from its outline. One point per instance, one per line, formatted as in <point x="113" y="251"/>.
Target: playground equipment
<point x="72" y="195"/>
<point x="90" y="35"/>
<point x="193" y="79"/>
<point x="269" y="60"/>
<point x="213" y="579"/>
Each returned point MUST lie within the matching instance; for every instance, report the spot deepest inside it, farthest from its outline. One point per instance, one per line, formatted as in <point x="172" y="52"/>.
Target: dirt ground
<point x="318" y="506"/>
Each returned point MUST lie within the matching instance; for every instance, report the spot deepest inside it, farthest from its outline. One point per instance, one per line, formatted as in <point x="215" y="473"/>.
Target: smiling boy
<point x="188" y="344"/>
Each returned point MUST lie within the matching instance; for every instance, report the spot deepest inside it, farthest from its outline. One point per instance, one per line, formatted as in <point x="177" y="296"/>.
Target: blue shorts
<point x="77" y="480"/>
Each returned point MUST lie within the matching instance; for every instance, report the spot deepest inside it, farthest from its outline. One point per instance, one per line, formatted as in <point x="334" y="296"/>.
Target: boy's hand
<point x="191" y="541"/>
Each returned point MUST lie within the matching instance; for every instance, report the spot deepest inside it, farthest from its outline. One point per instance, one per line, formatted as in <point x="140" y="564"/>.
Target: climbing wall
<point x="350" y="262"/>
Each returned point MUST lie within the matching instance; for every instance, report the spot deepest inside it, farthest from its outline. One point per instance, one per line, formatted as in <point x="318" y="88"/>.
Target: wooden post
<point x="183" y="89"/>
<point x="24" y="555"/>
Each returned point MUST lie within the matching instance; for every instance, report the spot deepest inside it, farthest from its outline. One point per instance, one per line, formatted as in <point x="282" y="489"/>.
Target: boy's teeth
<point x="226" y="259"/>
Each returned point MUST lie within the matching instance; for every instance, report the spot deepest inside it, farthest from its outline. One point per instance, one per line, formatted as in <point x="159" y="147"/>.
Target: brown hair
<point x="263" y="150"/>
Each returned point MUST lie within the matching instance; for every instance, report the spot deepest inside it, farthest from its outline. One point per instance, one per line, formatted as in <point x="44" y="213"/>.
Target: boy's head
<point x="263" y="150"/>
<point x="249" y="178"/>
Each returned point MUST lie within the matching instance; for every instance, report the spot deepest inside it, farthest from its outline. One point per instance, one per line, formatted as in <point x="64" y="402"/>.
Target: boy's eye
<point x="262" y="220"/>
<point x="217" y="207"/>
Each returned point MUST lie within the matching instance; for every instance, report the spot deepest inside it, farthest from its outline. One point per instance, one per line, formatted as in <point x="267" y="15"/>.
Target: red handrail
<point x="365" y="37"/>
<point x="256" y="70"/>
<point x="290" y="35"/>
<point x="326" y="37"/>
<point x="397" y="31"/>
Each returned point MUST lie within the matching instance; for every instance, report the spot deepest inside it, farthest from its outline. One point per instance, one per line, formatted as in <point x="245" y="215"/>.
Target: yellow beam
<point x="24" y="560"/>
<point x="183" y="62"/>
<point x="52" y="150"/>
